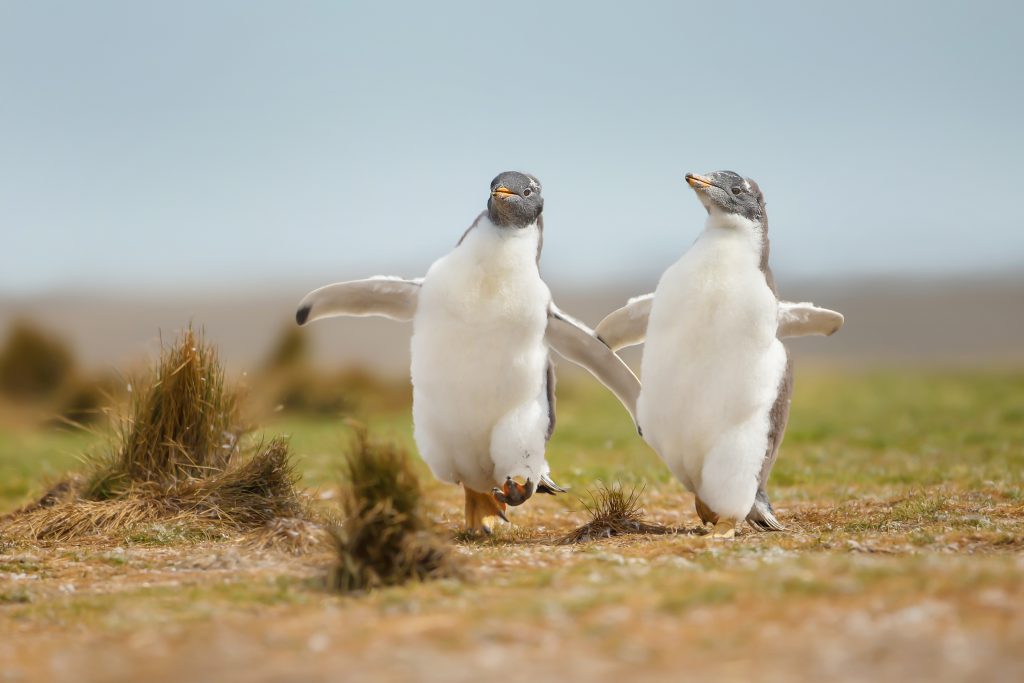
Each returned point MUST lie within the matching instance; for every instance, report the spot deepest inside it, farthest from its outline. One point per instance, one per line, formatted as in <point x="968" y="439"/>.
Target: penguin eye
<point x="527" y="193"/>
<point x="736" y="190"/>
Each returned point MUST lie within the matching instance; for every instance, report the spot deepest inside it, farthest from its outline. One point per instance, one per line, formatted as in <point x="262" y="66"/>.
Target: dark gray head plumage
<point x="729" y="193"/>
<point x="515" y="200"/>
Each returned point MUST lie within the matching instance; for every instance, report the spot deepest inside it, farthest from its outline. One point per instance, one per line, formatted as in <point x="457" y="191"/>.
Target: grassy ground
<point x="903" y="494"/>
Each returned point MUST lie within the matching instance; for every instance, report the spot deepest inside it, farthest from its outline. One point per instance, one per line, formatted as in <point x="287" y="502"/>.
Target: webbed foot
<point x="483" y="512"/>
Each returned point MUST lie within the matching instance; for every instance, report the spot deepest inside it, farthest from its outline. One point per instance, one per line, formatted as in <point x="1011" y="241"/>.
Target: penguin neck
<point x="733" y="226"/>
<point x="487" y="234"/>
<point x="504" y="244"/>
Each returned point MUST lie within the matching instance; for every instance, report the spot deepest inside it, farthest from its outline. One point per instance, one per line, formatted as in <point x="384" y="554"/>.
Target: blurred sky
<point x="179" y="145"/>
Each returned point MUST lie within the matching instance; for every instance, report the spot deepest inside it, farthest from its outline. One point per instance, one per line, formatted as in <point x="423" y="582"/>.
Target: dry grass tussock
<point x="613" y="513"/>
<point x="178" y="460"/>
<point x="183" y="423"/>
<point x="386" y="538"/>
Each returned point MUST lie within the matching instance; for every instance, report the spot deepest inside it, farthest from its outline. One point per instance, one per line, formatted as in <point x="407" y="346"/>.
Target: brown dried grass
<point x="178" y="460"/>
<point x="183" y="422"/>
<point x="386" y="538"/>
<point x="613" y="513"/>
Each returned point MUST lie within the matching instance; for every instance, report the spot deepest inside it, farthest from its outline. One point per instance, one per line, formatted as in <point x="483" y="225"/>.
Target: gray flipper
<point x="390" y="297"/>
<point x="762" y="516"/>
<point x="577" y="343"/>
<point x="805" y="319"/>
<point x="627" y="326"/>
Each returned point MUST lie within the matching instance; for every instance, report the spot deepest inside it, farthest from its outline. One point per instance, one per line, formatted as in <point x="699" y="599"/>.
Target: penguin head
<point x="515" y="200"/>
<point x="725" y="192"/>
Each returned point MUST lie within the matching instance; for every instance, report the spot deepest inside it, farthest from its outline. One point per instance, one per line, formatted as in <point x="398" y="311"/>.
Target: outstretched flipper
<point x="576" y="342"/>
<point x="627" y="326"/>
<point x="390" y="297"/>
<point x="806" y="319"/>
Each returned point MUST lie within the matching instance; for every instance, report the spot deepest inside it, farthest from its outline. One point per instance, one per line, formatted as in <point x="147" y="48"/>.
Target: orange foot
<point x="483" y="512"/>
<point x="513" y="493"/>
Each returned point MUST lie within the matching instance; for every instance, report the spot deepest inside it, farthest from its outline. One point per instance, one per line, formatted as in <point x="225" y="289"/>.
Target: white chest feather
<point x="489" y="279"/>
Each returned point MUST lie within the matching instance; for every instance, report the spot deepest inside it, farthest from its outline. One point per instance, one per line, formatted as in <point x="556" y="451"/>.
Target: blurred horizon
<point x="155" y="148"/>
<point x="975" y="321"/>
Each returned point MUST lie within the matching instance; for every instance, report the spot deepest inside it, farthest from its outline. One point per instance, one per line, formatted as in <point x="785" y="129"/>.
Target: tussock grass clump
<point x="386" y="539"/>
<point x="613" y="513"/>
<point x="177" y="460"/>
<point x="182" y="423"/>
<point x="250" y="495"/>
<point x="246" y="494"/>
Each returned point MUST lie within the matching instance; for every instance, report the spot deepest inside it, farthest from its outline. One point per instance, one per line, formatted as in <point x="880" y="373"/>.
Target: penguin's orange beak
<point x="502" y="192"/>
<point x="697" y="182"/>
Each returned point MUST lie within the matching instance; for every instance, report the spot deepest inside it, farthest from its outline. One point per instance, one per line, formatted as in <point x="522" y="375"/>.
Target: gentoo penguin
<point x="717" y="380"/>
<point x="483" y="322"/>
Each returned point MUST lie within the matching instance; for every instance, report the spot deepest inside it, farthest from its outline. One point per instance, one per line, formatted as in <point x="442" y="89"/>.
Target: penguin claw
<point x="513" y="493"/>
<point x="768" y="523"/>
<point x="762" y="516"/>
<point x="548" y="486"/>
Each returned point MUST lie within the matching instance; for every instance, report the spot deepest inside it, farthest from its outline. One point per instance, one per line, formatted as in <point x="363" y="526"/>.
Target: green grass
<point x="885" y="431"/>
<point x="850" y="435"/>
<point x="31" y="459"/>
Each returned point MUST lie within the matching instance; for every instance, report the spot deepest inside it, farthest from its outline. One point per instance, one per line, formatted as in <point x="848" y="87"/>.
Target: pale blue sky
<point x="225" y="142"/>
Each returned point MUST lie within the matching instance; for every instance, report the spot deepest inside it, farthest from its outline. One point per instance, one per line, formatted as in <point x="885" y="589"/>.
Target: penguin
<point x="483" y="325"/>
<point x="717" y="379"/>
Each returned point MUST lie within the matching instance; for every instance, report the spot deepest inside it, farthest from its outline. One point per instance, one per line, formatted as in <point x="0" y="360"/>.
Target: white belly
<point x="479" y="357"/>
<point x="712" y="364"/>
